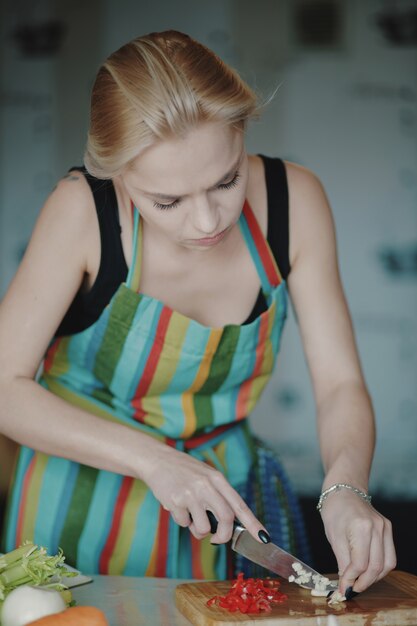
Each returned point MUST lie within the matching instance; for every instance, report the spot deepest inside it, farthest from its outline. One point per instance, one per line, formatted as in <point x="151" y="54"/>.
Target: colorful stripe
<point x="98" y="521"/>
<point x="21" y="520"/>
<point x="245" y="388"/>
<point x="266" y="359"/>
<point x="16" y="500"/>
<point x="105" y="557"/>
<point x="120" y="318"/>
<point x="33" y="491"/>
<point x="162" y="542"/>
<point x="196" y="552"/>
<point x="142" y="554"/>
<point x="51" y="354"/>
<point x="151" y="364"/>
<point x="191" y="416"/>
<point x="60" y="479"/>
<point x="171" y="570"/>
<point x="57" y="360"/>
<point x="81" y="497"/>
<point x="151" y="568"/>
<point x="124" y="543"/>
<point x="219" y="368"/>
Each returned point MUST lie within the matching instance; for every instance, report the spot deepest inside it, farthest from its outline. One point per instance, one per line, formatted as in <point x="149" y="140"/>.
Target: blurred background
<point x="345" y="72"/>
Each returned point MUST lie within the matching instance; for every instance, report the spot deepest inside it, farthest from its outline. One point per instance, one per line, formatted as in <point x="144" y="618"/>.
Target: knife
<point x="274" y="558"/>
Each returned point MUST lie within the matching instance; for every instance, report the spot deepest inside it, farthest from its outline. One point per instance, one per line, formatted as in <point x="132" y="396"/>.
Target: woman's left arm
<point x="360" y="537"/>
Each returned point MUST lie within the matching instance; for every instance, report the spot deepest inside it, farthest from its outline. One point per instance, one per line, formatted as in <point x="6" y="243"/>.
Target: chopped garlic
<point x="321" y="583"/>
<point x="336" y="597"/>
<point x="319" y="592"/>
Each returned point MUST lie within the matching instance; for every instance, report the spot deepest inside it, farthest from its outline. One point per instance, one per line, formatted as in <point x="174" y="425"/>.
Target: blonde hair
<point x="155" y="87"/>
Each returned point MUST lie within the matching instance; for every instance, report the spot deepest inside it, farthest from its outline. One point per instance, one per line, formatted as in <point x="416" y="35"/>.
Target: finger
<point x="244" y="514"/>
<point x="225" y="520"/>
<point x="180" y="516"/>
<point x="252" y="524"/>
<point x="221" y="520"/>
<point x="359" y="542"/>
<point x="375" y="563"/>
<point x="342" y="554"/>
<point x="382" y="556"/>
<point x="200" y="525"/>
<point x="340" y="547"/>
<point x="389" y="550"/>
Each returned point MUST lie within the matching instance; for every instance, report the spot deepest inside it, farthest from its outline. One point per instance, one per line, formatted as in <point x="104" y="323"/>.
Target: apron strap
<point x="260" y="250"/>
<point x="133" y="277"/>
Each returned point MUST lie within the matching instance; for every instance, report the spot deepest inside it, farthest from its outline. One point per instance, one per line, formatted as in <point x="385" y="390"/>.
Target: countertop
<point x="131" y="601"/>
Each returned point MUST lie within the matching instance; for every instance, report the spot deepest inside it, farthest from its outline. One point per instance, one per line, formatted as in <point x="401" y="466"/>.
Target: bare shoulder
<point x="304" y="187"/>
<point x="310" y="215"/>
<point x="58" y="250"/>
<point x="69" y="216"/>
<point x="71" y="201"/>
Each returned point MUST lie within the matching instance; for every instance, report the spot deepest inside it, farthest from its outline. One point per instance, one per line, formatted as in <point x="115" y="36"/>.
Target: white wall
<point x="27" y="131"/>
<point x="43" y="113"/>
<point x="350" y="115"/>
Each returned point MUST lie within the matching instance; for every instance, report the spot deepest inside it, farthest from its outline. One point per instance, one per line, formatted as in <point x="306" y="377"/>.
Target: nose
<point x="206" y="217"/>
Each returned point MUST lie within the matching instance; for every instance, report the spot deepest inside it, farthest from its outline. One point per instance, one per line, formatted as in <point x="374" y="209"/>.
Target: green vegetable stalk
<point x="31" y="565"/>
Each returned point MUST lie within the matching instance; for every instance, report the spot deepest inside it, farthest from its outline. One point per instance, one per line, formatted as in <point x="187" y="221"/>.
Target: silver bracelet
<point x="337" y="487"/>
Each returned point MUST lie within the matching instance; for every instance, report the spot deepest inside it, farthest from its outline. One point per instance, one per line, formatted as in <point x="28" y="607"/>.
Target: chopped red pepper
<point x="252" y="595"/>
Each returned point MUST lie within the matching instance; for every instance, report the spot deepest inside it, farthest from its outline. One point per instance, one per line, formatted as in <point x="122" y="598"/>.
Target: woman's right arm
<point x="50" y="274"/>
<point x="54" y="266"/>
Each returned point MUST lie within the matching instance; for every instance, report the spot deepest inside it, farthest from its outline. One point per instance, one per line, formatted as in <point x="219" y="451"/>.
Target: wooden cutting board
<point x="392" y="601"/>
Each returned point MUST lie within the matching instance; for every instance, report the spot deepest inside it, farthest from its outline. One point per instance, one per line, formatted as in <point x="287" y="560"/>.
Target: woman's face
<point x="191" y="190"/>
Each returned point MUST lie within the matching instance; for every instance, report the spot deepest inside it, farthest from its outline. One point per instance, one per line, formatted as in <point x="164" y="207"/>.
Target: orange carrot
<point x="74" y="616"/>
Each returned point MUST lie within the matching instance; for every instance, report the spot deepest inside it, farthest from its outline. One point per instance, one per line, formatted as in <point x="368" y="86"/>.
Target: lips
<point x="207" y="241"/>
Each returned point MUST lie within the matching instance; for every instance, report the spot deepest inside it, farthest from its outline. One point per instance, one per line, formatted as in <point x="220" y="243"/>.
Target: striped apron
<point x="151" y="368"/>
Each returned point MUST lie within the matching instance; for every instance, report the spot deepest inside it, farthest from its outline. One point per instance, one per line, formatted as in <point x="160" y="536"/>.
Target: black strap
<point x="87" y="306"/>
<point x="278" y="224"/>
<point x="278" y="218"/>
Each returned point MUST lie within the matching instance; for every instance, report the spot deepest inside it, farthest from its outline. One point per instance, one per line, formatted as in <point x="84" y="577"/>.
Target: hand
<point x="186" y="486"/>
<point x="361" y="539"/>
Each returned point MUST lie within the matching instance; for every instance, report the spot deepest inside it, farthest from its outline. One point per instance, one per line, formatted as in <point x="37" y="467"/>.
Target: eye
<point x="163" y="207"/>
<point x="231" y="183"/>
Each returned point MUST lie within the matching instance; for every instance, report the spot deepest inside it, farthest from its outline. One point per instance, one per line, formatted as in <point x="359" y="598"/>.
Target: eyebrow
<point x="166" y="196"/>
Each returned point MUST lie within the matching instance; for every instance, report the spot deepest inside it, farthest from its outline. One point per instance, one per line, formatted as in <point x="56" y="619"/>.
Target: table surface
<point x="131" y="601"/>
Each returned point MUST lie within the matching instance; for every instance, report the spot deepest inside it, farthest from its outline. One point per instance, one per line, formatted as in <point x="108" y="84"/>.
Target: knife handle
<point x="214" y="523"/>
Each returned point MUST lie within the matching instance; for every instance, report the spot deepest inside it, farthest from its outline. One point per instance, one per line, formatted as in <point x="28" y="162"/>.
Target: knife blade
<point x="275" y="559"/>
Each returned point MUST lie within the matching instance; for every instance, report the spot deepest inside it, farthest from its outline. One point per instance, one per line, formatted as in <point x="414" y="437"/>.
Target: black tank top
<point x="87" y="306"/>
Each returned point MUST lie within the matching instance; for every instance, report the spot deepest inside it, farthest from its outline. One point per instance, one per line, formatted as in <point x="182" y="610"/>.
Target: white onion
<point x="26" y="604"/>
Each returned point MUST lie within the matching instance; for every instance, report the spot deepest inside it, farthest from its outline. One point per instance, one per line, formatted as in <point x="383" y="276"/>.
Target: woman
<point x="152" y="273"/>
